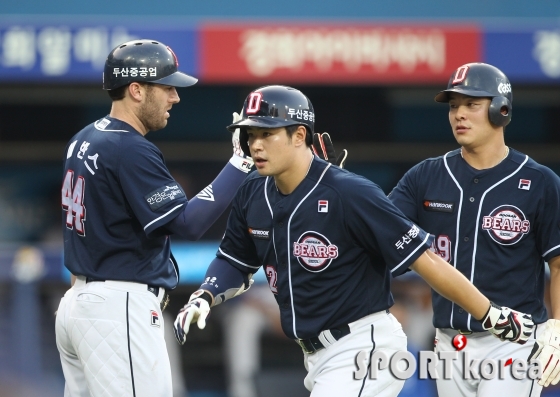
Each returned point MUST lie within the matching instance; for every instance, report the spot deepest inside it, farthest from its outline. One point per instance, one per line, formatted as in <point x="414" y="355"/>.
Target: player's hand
<point x="508" y="324"/>
<point x="239" y="159"/>
<point x="324" y="148"/>
<point x="196" y="310"/>
<point x="547" y="351"/>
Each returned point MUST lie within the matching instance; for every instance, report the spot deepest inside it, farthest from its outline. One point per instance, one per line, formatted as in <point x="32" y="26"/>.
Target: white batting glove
<point x="196" y="310"/>
<point x="547" y="350"/>
<point x="239" y="160"/>
<point x="507" y="324"/>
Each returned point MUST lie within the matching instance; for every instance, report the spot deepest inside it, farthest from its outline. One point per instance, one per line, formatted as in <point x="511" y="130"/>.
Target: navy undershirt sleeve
<point x="199" y="214"/>
<point x="221" y="276"/>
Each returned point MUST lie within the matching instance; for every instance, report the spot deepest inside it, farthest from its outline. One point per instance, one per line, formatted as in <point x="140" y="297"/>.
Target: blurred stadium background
<point x="371" y="70"/>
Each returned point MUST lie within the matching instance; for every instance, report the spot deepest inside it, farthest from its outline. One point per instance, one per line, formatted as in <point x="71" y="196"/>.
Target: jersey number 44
<point x="73" y="202"/>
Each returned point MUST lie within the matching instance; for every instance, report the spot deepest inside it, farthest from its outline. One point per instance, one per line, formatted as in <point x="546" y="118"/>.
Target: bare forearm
<point x="554" y="265"/>
<point x="451" y="284"/>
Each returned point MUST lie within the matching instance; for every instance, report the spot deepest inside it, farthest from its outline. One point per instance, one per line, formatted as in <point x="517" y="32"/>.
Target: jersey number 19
<point x="73" y="202"/>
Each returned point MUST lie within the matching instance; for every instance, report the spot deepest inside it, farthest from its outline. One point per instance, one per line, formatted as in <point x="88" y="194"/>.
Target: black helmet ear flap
<point x="244" y="141"/>
<point x="499" y="112"/>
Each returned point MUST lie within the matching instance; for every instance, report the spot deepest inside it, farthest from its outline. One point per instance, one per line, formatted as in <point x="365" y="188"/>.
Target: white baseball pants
<point x="331" y="370"/>
<point x="110" y="338"/>
<point x="481" y="346"/>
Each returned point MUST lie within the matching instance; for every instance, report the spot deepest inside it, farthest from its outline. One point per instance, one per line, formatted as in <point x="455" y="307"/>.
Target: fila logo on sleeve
<point x="524" y="184"/>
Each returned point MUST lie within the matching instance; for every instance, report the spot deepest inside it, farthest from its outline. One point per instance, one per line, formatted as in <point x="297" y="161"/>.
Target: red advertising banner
<point x="334" y="54"/>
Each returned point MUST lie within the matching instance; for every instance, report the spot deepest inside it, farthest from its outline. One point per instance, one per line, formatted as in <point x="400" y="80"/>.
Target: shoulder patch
<point x="402" y="244"/>
<point x="160" y="197"/>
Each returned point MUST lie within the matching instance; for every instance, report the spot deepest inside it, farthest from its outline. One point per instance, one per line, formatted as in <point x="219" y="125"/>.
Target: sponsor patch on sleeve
<point x="160" y="197"/>
<point x="403" y="243"/>
<point x="438" y="206"/>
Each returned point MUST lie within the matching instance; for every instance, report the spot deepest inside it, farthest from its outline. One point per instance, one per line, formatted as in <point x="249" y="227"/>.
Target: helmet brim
<point x="260" y="122"/>
<point x="177" y="79"/>
<point x="443" y="96"/>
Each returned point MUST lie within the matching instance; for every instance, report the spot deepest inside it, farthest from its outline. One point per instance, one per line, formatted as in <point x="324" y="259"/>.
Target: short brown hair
<point x="119" y="93"/>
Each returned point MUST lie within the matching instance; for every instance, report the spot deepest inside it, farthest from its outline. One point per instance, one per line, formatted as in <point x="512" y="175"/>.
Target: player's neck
<point x="482" y="158"/>
<point x="123" y="113"/>
<point x="289" y="180"/>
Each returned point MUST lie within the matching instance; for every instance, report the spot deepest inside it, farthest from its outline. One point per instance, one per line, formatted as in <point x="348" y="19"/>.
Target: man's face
<point x="159" y="99"/>
<point x="271" y="149"/>
<point x="469" y="121"/>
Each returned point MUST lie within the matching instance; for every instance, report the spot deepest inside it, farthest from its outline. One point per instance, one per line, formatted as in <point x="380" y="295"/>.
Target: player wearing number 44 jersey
<point x="328" y="241"/>
<point x="120" y="205"/>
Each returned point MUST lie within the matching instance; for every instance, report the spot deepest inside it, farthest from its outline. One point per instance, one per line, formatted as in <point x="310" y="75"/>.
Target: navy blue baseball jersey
<point x="497" y="226"/>
<point x="327" y="248"/>
<point x="116" y="193"/>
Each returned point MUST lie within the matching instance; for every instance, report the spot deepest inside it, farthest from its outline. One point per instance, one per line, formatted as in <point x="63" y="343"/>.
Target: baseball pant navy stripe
<point x="129" y="353"/>
<point x="370" y="358"/>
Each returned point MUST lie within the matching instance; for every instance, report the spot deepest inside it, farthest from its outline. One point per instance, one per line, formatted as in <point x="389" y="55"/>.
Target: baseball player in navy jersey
<point x="495" y="215"/>
<point x="328" y="242"/>
<point x="120" y="204"/>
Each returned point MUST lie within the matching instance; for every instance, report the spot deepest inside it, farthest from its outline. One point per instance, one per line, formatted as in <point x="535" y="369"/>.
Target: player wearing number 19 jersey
<point x="495" y="215"/>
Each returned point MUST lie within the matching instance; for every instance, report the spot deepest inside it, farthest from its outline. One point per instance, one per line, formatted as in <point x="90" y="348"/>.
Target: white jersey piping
<point x="473" y="261"/>
<point x="163" y="216"/>
<point x="458" y="223"/>
<point x="236" y="260"/>
<point x="289" y="251"/>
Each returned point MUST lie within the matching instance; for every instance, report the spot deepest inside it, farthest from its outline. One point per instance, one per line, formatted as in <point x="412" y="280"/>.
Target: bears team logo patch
<point x="154" y="318"/>
<point x="314" y="251"/>
<point x="506" y="224"/>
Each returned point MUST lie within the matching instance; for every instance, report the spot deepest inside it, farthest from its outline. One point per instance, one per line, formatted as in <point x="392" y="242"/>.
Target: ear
<point x="298" y="137"/>
<point x="136" y="91"/>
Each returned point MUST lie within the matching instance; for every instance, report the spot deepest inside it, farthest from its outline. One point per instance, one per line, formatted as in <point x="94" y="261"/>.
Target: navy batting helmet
<point x="275" y="106"/>
<point x="145" y="61"/>
<point x="482" y="80"/>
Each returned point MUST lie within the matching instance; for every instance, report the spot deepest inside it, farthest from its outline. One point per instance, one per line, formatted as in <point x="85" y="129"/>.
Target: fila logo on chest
<point x="524" y="184"/>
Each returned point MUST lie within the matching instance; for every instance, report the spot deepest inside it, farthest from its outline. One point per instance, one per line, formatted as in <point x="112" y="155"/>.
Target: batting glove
<point x="239" y="160"/>
<point x="324" y="149"/>
<point x="547" y="350"/>
<point x="196" y="310"/>
<point x="508" y="324"/>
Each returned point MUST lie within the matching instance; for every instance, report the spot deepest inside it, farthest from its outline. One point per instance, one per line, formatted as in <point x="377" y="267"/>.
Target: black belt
<point x="314" y="344"/>
<point x="152" y="288"/>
